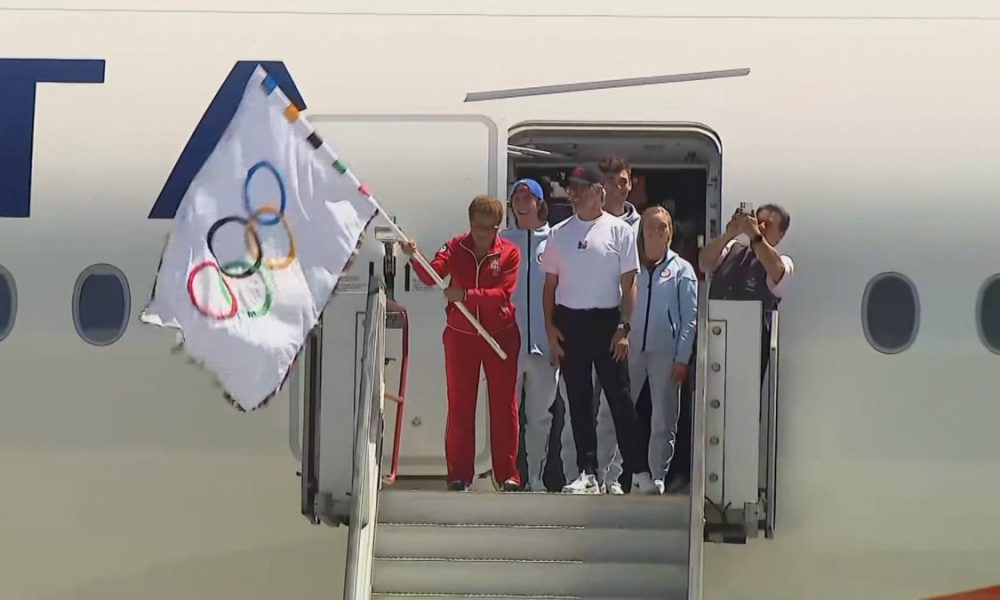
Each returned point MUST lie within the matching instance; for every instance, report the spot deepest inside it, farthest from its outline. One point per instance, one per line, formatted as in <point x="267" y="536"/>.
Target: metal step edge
<point x="579" y="544"/>
<point x="489" y="596"/>
<point x="535" y="497"/>
<point x="419" y="596"/>
<point x="430" y="525"/>
<point x="609" y="527"/>
<point x="513" y="559"/>
<point x="569" y="519"/>
<point x="657" y="512"/>
<point x="534" y="561"/>
<point x="533" y="579"/>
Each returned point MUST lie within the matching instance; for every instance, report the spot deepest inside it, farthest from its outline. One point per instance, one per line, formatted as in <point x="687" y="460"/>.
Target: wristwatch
<point x="626" y="327"/>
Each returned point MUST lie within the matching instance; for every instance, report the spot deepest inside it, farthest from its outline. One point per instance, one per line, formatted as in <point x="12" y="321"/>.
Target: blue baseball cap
<point x="532" y="185"/>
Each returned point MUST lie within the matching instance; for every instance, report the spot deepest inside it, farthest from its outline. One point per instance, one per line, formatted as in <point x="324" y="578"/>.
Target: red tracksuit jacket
<point x="490" y="282"/>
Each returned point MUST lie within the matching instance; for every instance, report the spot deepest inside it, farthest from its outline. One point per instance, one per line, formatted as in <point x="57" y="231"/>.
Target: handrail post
<point x="367" y="443"/>
<point x="696" y="539"/>
<point x="312" y="400"/>
<point x="400" y="399"/>
<point x="771" y="477"/>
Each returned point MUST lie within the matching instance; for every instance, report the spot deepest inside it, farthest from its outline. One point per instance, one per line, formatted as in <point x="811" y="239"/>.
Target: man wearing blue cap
<point x="536" y="376"/>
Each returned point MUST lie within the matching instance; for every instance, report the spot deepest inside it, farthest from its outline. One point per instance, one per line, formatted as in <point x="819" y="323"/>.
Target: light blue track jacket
<point x="528" y="293"/>
<point x="666" y="309"/>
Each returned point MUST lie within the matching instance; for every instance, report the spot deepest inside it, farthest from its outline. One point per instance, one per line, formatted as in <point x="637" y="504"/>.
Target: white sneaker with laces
<point x="643" y="484"/>
<point x="586" y="483"/>
<point x="615" y="489"/>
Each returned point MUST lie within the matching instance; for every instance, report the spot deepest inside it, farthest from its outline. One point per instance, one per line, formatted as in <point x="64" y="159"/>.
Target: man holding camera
<point x="747" y="264"/>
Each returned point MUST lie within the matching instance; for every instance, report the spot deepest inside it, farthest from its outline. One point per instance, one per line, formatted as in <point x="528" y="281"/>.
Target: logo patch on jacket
<point x="666" y="274"/>
<point x="495" y="267"/>
<point x="581" y="245"/>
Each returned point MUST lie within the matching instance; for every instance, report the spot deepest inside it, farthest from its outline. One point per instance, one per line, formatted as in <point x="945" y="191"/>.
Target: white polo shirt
<point x="590" y="257"/>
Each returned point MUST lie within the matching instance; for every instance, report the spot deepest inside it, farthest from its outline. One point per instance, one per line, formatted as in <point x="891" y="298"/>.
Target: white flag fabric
<point x="259" y="242"/>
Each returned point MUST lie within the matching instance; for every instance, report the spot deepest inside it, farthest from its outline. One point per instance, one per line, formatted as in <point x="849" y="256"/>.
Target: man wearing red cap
<point x="591" y="263"/>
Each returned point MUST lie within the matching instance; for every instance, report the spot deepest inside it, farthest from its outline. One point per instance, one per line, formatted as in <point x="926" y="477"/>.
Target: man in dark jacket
<point x="747" y="265"/>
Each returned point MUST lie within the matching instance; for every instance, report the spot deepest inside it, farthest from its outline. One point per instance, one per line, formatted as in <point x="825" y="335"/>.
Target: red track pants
<point x="463" y="355"/>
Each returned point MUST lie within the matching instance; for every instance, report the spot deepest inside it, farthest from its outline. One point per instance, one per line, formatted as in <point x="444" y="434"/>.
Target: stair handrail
<point x="399" y="398"/>
<point x="696" y="522"/>
<point x="770" y="411"/>
<point x="366" y="478"/>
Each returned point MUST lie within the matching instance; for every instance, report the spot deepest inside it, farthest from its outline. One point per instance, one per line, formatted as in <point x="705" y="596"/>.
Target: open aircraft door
<point x="734" y="421"/>
<point x="740" y="419"/>
<point x="424" y="169"/>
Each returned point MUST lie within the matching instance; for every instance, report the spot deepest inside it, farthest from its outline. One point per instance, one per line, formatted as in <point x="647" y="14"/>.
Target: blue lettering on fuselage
<point x="211" y="127"/>
<point x="19" y="79"/>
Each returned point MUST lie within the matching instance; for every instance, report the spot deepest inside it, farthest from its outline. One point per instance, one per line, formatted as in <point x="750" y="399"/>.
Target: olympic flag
<point x="259" y="242"/>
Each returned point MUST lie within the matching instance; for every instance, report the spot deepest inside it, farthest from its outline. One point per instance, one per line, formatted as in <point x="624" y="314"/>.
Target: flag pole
<point x="441" y="284"/>
<point x="270" y="87"/>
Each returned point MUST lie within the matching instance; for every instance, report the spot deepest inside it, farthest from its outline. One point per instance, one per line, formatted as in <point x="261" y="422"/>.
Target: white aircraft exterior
<point x="125" y="474"/>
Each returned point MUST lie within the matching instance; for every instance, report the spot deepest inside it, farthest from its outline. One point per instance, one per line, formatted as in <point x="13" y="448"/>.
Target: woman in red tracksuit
<point x="483" y="268"/>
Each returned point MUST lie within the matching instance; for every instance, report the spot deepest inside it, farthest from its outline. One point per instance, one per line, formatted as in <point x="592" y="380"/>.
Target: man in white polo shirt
<point x="591" y="263"/>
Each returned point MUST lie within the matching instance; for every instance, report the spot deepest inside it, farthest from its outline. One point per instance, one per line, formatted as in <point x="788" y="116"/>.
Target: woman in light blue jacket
<point x="662" y="335"/>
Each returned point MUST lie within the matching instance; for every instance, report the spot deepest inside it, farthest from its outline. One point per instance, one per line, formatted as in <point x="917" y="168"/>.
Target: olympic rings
<point x="233" y="306"/>
<point x="241" y="268"/>
<point x="230" y="295"/>
<point x="266" y="307"/>
<point x="211" y="247"/>
<point x="281" y="188"/>
<point x="255" y="250"/>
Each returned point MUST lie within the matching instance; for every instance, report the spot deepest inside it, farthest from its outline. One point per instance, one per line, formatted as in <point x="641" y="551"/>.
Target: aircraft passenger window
<point x="8" y="303"/>
<point x="890" y="313"/>
<point x="101" y="304"/>
<point x="988" y="313"/>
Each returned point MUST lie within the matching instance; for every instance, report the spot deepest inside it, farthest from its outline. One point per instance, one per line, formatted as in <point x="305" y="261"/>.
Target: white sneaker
<point x="643" y="484"/>
<point x="615" y="489"/>
<point x="585" y="484"/>
<point x="659" y="485"/>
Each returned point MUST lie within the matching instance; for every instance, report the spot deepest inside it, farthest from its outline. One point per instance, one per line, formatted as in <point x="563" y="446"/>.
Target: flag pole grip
<point x="441" y="284"/>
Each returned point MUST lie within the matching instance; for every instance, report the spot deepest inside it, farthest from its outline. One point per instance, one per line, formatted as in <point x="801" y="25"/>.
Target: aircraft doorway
<point x="677" y="166"/>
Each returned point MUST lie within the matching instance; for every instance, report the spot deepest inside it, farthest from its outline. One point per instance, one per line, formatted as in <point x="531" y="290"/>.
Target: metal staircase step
<point x="532" y="543"/>
<point x="404" y="596"/>
<point x="528" y="578"/>
<point x="534" y="509"/>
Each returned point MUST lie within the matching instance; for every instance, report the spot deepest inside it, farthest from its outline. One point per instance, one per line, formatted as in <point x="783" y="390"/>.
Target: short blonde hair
<point x="486" y="205"/>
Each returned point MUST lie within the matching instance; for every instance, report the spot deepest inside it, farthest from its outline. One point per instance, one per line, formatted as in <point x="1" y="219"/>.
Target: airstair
<point x="530" y="545"/>
<point x="411" y="539"/>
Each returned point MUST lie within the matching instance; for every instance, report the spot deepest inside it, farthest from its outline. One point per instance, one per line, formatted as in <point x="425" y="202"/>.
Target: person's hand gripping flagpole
<point x="403" y="239"/>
